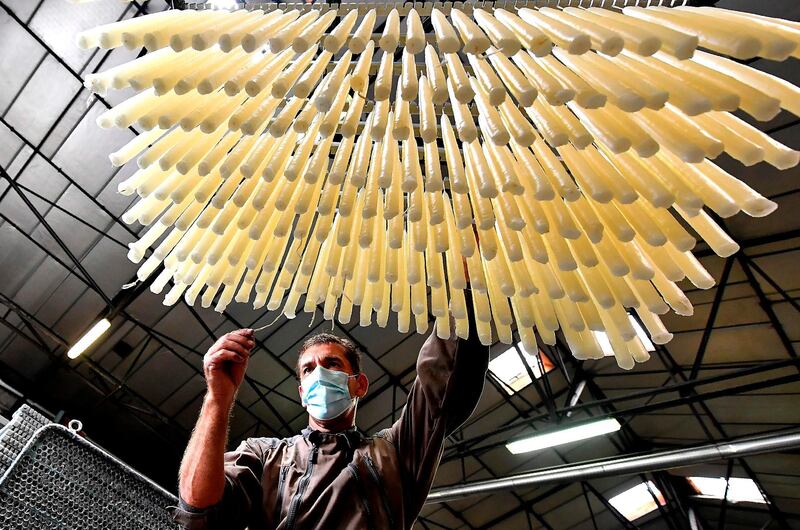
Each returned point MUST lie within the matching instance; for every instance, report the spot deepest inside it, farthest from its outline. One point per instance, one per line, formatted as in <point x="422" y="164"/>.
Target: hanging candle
<point x="557" y="163"/>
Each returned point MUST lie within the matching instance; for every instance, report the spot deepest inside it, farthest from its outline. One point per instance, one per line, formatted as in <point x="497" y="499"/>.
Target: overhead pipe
<point x="626" y="465"/>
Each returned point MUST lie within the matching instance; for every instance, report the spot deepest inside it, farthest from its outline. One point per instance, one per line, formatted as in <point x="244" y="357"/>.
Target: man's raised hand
<point x="225" y="363"/>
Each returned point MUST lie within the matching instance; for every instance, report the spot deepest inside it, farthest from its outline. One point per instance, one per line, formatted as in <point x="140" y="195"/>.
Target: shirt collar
<point x="351" y="436"/>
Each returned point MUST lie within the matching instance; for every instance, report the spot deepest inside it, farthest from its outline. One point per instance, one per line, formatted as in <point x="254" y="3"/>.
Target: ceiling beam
<point x="712" y="317"/>
<point x="649" y="392"/>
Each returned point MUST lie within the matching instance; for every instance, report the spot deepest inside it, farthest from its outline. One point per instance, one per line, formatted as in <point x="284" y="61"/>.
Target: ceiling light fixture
<point x="576" y="395"/>
<point x="564" y="436"/>
<point x="89" y="338"/>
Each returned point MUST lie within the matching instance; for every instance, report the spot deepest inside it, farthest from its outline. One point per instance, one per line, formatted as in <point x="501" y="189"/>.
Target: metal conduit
<point x="626" y="465"/>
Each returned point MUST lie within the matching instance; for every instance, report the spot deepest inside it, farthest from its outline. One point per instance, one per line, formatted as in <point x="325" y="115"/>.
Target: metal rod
<point x="712" y="317"/>
<point x="626" y="465"/>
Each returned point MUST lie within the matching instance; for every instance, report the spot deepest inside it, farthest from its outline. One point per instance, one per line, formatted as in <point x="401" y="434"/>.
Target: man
<point x="330" y="476"/>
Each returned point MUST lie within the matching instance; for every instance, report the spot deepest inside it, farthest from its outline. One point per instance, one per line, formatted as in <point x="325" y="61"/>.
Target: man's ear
<point x="362" y="384"/>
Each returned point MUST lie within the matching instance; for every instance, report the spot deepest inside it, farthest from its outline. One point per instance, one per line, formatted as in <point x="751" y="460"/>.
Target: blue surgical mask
<point x="326" y="394"/>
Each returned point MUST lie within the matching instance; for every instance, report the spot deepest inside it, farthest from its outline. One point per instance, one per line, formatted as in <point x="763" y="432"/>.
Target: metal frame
<point x="686" y="382"/>
<point x="425" y="7"/>
<point x="73" y="436"/>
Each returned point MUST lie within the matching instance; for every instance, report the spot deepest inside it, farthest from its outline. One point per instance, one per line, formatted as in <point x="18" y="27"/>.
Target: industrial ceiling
<point x="731" y="370"/>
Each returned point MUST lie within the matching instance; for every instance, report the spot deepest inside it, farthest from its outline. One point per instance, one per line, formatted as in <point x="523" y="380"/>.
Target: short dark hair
<point x="351" y="351"/>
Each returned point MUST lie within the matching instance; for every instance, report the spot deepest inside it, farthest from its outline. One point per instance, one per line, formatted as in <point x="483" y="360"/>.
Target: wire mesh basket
<point x="61" y="481"/>
<point x="15" y="434"/>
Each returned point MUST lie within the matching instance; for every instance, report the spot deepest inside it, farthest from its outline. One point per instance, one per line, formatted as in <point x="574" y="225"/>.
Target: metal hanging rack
<point x="425" y="8"/>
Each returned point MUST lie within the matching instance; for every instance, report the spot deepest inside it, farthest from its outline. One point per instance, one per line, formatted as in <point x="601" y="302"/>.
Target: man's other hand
<point x="225" y="363"/>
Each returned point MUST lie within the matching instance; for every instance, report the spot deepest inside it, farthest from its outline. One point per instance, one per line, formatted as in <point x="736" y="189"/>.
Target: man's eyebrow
<point x="334" y="359"/>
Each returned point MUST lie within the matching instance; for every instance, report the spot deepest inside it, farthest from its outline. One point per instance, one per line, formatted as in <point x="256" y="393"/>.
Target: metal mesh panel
<point x="61" y="481"/>
<point x="16" y="434"/>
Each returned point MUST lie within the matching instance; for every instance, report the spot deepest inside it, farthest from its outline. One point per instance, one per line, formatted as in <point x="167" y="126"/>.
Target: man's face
<point x="331" y="357"/>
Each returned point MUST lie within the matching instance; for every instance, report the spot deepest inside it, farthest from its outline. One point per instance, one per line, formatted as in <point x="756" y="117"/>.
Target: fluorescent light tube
<point x="89" y="338"/>
<point x="576" y="395"/>
<point x="564" y="436"/>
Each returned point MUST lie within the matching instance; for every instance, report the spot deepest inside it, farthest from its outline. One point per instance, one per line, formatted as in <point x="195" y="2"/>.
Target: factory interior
<point x="617" y="180"/>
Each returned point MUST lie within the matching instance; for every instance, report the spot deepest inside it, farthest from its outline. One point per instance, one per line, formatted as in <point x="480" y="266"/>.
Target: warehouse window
<point x="605" y="344"/>
<point x="509" y="369"/>
<point x="637" y="501"/>
<point x="740" y="489"/>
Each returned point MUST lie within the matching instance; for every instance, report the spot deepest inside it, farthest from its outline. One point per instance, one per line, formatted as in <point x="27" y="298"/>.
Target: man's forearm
<point x="202" y="475"/>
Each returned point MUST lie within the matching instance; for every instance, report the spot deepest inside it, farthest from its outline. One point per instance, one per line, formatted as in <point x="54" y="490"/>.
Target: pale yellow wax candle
<point x="391" y="32"/>
<point x="338" y="36"/>
<point x="475" y="40"/>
